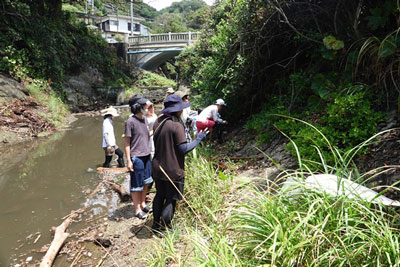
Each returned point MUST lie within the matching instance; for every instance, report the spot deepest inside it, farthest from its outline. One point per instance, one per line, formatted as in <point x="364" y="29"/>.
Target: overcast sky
<point x="160" y="4"/>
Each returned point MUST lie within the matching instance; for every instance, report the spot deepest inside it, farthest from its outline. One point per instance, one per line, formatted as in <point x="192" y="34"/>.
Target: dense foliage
<point x="50" y="48"/>
<point x="183" y="16"/>
<point x="311" y="60"/>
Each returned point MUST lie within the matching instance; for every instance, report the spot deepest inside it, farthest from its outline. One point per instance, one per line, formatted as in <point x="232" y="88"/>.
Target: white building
<point x="112" y="25"/>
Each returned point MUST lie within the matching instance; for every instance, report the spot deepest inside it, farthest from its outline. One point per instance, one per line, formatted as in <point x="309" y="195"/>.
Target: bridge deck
<point x="181" y="37"/>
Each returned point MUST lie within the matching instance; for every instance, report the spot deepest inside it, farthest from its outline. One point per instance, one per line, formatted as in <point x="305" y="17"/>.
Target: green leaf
<point x="222" y="176"/>
<point x="332" y="43"/>
<point x="388" y="47"/>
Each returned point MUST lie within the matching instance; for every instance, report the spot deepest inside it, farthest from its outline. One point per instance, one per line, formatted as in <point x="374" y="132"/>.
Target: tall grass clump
<point x="315" y="229"/>
<point x="277" y="227"/>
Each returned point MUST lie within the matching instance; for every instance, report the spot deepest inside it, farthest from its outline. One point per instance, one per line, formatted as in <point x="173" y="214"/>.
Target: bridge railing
<point x="165" y="38"/>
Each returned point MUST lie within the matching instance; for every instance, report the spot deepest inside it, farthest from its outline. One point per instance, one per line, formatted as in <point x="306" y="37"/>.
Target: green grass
<point x="225" y="222"/>
<point x="151" y="79"/>
<point x="42" y="93"/>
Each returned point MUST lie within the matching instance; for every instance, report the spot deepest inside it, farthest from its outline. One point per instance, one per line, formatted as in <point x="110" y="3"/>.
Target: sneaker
<point x="147" y="209"/>
<point x="141" y="215"/>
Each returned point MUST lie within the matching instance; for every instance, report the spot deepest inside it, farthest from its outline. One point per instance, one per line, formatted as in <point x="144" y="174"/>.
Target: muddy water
<point x="42" y="181"/>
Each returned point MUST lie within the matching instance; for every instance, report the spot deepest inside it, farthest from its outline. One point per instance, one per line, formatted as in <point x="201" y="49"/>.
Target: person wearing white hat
<point x="170" y="91"/>
<point x="209" y="118"/>
<point x="109" y="145"/>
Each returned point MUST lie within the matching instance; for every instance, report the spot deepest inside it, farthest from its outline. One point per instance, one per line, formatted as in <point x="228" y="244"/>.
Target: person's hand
<point x="202" y="134"/>
<point x="130" y="166"/>
<point x="224" y="122"/>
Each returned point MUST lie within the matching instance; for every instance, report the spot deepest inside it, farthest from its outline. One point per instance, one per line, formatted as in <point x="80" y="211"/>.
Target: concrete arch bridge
<point x="150" y="51"/>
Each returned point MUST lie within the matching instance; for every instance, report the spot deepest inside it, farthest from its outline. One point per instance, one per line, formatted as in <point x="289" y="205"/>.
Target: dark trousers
<point x="164" y="202"/>
<point x="218" y="129"/>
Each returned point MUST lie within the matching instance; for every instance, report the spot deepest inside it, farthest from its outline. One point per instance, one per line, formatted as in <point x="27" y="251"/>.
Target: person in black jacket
<point x="168" y="164"/>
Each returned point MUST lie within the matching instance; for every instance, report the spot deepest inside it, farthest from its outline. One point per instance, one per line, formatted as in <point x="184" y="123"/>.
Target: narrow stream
<point x="43" y="180"/>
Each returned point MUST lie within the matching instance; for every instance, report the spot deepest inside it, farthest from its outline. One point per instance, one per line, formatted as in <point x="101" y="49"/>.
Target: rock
<point x="82" y="86"/>
<point x="10" y="89"/>
<point x="90" y="170"/>
<point x="29" y="259"/>
<point x="154" y="94"/>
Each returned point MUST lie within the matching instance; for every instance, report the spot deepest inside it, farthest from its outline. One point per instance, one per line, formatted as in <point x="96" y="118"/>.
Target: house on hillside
<point x="112" y="25"/>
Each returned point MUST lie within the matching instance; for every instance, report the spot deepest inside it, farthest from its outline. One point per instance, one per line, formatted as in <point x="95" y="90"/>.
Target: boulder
<point x="10" y="89"/>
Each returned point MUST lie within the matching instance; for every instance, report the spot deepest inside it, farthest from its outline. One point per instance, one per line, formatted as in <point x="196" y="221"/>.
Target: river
<point x="41" y="181"/>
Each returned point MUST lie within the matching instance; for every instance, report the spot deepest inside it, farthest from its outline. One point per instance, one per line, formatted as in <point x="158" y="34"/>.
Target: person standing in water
<point x="137" y="151"/>
<point x="109" y="145"/>
<point x="168" y="164"/>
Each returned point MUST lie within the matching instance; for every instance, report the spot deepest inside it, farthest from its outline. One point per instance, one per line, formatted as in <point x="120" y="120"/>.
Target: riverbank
<point x="229" y="176"/>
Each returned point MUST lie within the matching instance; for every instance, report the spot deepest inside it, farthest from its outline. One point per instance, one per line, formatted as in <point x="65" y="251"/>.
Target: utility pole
<point x="132" y="18"/>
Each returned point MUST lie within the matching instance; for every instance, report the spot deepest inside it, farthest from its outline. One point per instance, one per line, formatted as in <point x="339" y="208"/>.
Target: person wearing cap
<point x="186" y="115"/>
<point x="137" y="151"/>
<point x="168" y="164"/>
<point x="109" y="145"/>
<point x="170" y="91"/>
<point x="209" y="118"/>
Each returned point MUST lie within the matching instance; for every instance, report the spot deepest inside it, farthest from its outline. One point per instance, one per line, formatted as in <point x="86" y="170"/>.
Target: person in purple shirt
<point x="137" y="149"/>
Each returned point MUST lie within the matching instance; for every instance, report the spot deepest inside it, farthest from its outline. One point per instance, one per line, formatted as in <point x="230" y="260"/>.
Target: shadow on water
<point x="41" y="181"/>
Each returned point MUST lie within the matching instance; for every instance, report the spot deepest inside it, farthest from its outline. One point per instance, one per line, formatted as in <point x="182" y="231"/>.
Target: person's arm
<point x="185" y="148"/>
<point x="214" y="114"/>
<point x="107" y="139"/>
<point x="127" y="148"/>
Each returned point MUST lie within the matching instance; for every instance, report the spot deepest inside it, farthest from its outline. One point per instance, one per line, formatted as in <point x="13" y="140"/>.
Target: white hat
<point x="220" y="102"/>
<point x="110" y="111"/>
<point x="170" y="90"/>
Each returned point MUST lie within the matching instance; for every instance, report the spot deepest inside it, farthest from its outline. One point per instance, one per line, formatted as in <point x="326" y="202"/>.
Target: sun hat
<point x="170" y="90"/>
<point x="180" y="93"/>
<point x="137" y="99"/>
<point x="173" y="103"/>
<point x="220" y="102"/>
<point x="109" y="111"/>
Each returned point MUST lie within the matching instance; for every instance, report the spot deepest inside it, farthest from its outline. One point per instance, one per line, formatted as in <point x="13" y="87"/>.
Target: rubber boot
<point x="120" y="159"/>
<point x="106" y="163"/>
<point x="121" y="162"/>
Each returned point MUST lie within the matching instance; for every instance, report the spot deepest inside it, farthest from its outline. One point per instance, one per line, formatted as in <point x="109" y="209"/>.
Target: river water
<point x="43" y="180"/>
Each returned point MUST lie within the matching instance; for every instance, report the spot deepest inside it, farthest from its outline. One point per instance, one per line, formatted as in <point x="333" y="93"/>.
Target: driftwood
<point x="59" y="238"/>
<point x="61" y="235"/>
<point x="123" y="194"/>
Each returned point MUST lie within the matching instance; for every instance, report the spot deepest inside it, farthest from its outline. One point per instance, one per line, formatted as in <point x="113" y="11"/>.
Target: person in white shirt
<point x="151" y="118"/>
<point x="109" y="145"/>
<point x="208" y="118"/>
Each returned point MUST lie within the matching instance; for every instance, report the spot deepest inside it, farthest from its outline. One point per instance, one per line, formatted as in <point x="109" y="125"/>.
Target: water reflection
<point x="43" y="180"/>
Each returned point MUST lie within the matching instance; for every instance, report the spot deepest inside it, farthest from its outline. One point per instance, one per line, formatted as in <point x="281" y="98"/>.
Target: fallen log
<point x="123" y="194"/>
<point x="60" y="233"/>
<point x="59" y="238"/>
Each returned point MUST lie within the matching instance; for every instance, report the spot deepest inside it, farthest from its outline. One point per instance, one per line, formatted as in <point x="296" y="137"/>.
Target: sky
<point x="160" y="4"/>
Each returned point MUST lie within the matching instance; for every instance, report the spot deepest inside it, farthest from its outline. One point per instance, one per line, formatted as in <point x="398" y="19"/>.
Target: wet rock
<point x="103" y="242"/>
